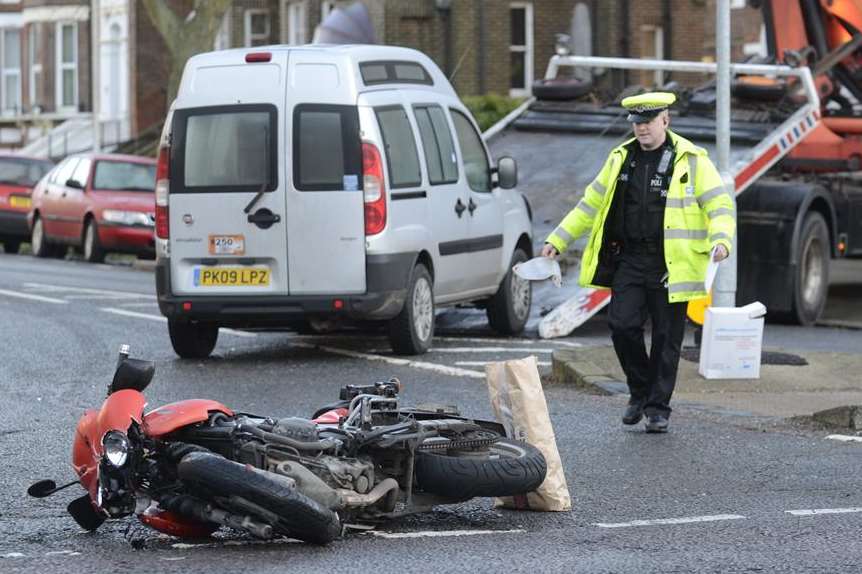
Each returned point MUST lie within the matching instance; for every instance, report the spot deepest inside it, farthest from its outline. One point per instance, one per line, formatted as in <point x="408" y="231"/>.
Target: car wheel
<point x="192" y="340"/>
<point x="411" y="331"/>
<point x="39" y="242"/>
<point x="509" y="308"/>
<point x="11" y="245"/>
<point x="93" y="251"/>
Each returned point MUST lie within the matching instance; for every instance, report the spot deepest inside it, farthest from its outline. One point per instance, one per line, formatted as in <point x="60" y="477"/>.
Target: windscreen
<point x="226" y="148"/>
<point x="23" y="172"/>
<point x="125" y="176"/>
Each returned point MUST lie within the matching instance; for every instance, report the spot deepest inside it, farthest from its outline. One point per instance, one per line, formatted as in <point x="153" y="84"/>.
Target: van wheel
<point x="411" y="331"/>
<point x="11" y="245"/>
<point x="509" y="308"/>
<point x="93" y="251"/>
<point x="192" y="340"/>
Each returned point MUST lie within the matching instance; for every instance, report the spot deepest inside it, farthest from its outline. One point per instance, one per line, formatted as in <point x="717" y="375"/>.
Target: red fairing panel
<point x="173" y="416"/>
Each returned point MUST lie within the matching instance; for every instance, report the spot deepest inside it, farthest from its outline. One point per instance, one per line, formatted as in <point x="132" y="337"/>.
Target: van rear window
<point x="394" y="72"/>
<point x="225" y="149"/>
<point x="327" y="150"/>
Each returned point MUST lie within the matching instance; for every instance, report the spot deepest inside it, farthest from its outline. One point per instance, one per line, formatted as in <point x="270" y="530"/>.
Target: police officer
<point x="656" y="212"/>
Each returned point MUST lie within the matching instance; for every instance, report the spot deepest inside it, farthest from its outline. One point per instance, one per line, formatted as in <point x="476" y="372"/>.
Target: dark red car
<point x="18" y="175"/>
<point x="98" y="203"/>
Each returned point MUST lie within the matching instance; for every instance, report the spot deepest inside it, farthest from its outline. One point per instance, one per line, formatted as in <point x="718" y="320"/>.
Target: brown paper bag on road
<point x="519" y="404"/>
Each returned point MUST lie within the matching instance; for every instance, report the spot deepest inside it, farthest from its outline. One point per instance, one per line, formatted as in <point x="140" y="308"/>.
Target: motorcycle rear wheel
<point x="299" y="516"/>
<point x="506" y="468"/>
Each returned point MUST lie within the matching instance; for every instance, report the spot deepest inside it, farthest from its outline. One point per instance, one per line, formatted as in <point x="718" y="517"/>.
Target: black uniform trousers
<point x="638" y="290"/>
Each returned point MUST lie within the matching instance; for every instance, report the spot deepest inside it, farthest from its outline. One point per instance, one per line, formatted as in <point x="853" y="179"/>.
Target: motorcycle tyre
<point x="464" y="477"/>
<point x="300" y="517"/>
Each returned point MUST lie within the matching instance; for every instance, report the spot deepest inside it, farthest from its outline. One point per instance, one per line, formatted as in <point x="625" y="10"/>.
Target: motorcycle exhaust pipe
<point x="353" y="498"/>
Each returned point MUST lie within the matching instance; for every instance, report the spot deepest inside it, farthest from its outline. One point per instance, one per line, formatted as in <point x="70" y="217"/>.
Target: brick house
<point x="483" y="45"/>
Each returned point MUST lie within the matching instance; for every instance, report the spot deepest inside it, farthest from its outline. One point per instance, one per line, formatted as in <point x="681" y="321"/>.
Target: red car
<point x="18" y="175"/>
<point x="98" y="203"/>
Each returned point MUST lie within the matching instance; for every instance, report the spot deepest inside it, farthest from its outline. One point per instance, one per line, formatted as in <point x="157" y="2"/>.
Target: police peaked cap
<point x="644" y="107"/>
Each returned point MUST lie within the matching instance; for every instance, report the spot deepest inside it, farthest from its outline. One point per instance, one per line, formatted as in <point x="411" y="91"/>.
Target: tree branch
<point x="166" y="22"/>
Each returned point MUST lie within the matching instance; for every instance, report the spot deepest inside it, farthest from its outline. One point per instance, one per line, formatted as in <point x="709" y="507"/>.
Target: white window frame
<point x="10" y="72"/>
<point x="658" y="48"/>
<point x="34" y="61"/>
<point x="61" y="67"/>
<point x="222" y="40"/>
<point x="737" y="4"/>
<point x="527" y="49"/>
<point x="293" y="30"/>
<point x="248" y="37"/>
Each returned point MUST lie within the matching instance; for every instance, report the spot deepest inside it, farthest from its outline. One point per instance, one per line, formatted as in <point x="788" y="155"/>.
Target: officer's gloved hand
<point x="550" y="251"/>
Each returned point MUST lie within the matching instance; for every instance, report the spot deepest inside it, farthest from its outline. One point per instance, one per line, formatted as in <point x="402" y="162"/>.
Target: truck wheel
<point x="812" y="274"/>
<point x="93" y="251"/>
<point x="411" y="331"/>
<point x="11" y="246"/>
<point x="192" y="340"/>
<point x="509" y="308"/>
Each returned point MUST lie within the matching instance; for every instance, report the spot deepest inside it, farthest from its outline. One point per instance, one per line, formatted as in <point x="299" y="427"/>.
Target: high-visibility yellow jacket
<point x="699" y="215"/>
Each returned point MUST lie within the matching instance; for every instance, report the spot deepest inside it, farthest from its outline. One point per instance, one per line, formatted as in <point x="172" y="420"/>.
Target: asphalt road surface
<point x="719" y="493"/>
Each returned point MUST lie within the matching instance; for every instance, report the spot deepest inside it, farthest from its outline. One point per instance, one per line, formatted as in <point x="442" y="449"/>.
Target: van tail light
<point x="163" y="176"/>
<point x="374" y="189"/>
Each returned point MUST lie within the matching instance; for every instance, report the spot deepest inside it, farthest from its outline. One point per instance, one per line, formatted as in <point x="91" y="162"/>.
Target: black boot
<point x="633" y="415"/>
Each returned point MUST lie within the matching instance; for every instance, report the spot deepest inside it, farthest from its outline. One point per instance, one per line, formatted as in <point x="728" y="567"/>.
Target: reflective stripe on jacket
<point x="699" y="215"/>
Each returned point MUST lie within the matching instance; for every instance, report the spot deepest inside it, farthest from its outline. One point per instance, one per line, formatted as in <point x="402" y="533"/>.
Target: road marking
<point x="845" y="438"/>
<point x="187" y="546"/>
<point x="661" y="521"/>
<point x="498" y="341"/>
<point x="823" y="511"/>
<point x="13" y="555"/>
<point x="62" y="553"/>
<point x="483" y="363"/>
<point x="33" y="297"/>
<point x="126" y="313"/>
<point x="87" y="290"/>
<point x="443" y="369"/>
<point x="476" y="350"/>
<point x="441" y="533"/>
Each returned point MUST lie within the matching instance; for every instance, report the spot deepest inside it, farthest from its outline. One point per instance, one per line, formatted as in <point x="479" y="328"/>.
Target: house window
<point x="256" y="28"/>
<point x="34" y="46"/>
<point x="67" y="66"/>
<point x="11" y="71"/>
<point x="293" y="22"/>
<point x="652" y="48"/>
<point x="520" y="48"/>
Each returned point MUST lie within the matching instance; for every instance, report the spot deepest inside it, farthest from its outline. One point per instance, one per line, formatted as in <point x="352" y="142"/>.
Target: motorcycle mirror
<point x="45" y="488"/>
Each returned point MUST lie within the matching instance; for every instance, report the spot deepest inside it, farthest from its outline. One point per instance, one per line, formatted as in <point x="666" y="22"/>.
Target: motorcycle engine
<point x="296" y="428"/>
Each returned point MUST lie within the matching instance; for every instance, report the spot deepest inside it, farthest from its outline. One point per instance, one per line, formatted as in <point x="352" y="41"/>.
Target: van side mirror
<point x="74" y="183"/>
<point x="507" y="172"/>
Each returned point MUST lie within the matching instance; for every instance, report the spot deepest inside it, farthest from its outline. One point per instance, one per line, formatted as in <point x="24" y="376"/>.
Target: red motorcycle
<point x="190" y="467"/>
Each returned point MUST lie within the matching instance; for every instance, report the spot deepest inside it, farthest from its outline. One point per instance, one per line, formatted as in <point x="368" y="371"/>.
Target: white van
<point x="321" y="182"/>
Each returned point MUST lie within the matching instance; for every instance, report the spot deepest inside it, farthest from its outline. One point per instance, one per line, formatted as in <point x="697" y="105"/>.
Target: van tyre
<point x="11" y="246"/>
<point x="192" y="339"/>
<point x="507" y="468"/>
<point x="299" y="516"/>
<point x="509" y="308"/>
<point x="411" y="331"/>
<point x="811" y="284"/>
<point x="93" y="251"/>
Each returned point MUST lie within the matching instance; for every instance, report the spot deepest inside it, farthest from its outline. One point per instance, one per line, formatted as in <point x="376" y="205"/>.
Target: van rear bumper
<point x="386" y="281"/>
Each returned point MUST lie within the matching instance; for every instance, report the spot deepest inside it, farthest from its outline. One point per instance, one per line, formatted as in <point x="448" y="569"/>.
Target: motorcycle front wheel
<point x="505" y="468"/>
<point x="299" y="516"/>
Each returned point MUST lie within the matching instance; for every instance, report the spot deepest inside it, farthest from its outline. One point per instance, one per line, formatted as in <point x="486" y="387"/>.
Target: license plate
<point x="18" y="201"/>
<point x="227" y="245"/>
<point x="223" y="276"/>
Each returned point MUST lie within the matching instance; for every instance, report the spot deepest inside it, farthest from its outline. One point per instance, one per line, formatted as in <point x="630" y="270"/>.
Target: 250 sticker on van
<point x="227" y="245"/>
<point x="231" y="277"/>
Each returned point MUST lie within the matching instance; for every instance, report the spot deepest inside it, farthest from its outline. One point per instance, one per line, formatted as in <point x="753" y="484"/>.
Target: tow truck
<point x="796" y="151"/>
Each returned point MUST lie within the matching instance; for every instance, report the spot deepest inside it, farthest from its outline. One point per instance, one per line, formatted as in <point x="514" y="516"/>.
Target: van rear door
<point x="325" y="204"/>
<point x="226" y="201"/>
